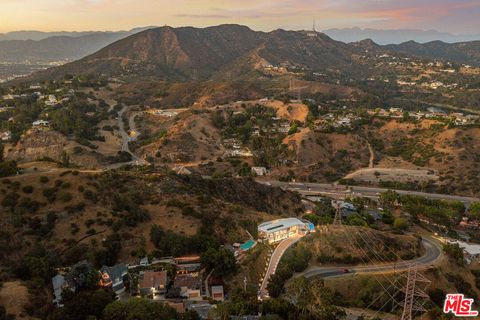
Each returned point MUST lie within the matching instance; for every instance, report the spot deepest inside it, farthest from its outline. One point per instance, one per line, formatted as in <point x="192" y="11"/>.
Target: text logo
<point x="459" y="305"/>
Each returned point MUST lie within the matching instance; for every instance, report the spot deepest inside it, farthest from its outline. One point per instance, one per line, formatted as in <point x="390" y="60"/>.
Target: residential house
<point x="113" y="277"/>
<point x="41" y="124"/>
<point x="144" y="262"/>
<point x="201" y="308"/>
<point x="217" y="294"/>
<point x="469" y="224"/>
<point x="259" y="171"/>
<point x="5" y="135"/>
<point x="182" y="170"/>
<point x="189" y="284"/>
<point x="10" y="96"/>
<point x="153" y="283"/>
<point x="59" y="284"/>
<point x="51" y="100"/>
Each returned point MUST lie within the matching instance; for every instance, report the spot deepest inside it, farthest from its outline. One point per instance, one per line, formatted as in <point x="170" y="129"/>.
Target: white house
<point x="259" y="171"/>
<point x="280" y="229"/>
<point x="5" y="136"/>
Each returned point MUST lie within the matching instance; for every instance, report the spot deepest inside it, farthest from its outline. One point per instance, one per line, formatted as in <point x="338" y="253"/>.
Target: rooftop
<point x="273" y="225"/>
<point x="152" y="279"/>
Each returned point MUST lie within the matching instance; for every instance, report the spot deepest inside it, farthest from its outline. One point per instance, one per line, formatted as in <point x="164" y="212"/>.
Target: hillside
<point x="462" y="52"/>
<point x="42" y="47"/>
<point x="192" y="53"/>
<point x="74" y="208"/>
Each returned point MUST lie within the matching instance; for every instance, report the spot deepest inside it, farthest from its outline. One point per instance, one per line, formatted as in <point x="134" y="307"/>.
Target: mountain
<point x="40" y="35"/>
<point x="396" y="36"/>
<point x="36" y="46"/>
<point x="187" y="53"/>
<point x="462" y="52"/>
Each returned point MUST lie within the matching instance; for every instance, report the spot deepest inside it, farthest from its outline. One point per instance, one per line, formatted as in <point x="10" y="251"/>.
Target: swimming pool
<point x="248" y="245"/>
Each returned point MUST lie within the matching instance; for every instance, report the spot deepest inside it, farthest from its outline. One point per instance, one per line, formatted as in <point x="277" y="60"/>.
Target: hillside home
<point x="5" y="136"/>
<point x="59" y="284"/>
<point x="217" y="294"/>
<point x="38" y="124"/>
<point x="113" y="277"/>
<point x="259" y="171"/>
<point x="190" y="285"/>
<point x="153" y="283"/>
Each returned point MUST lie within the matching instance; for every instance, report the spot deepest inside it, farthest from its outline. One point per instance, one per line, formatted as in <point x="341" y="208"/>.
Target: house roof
<point x="217" y="289"/>
<point x="153" y="279"/>
<point x="272" y="226"/>
<point x="116" y="272"/>
<point x="189" y="280"/>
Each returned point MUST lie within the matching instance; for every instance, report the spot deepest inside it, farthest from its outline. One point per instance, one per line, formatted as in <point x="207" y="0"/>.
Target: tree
<point x="388" y="198"/>
<point x="454" y="253"/>
<point x="474" y="211"/>
<point x="222" y="261"/>
<point x="312" y="299"/>
<point x="400" y="224"/>
<point x="139" y="309"/>
<point x="84" y="305"/>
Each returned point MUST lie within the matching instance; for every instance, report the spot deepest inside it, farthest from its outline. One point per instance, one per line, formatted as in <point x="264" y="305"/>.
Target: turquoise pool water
<point x="247" y="245"/>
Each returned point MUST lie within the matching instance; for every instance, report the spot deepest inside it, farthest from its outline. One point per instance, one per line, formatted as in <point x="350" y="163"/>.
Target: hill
<point x="46" y="47"/>
<point x="396" y="36"/>
<point x="462" y="52"/>
<point x="221" y="51"/>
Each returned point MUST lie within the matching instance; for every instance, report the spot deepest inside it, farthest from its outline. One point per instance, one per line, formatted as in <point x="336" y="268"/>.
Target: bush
<point x="44" y="179"/>
<point x="27" y="189"/>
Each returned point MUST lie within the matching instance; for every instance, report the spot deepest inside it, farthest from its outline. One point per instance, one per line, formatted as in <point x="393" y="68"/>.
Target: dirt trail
<point x="372" y="155"/>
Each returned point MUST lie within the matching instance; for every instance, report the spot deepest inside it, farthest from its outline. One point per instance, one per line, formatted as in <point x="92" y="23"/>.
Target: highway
<point x="433" y="253"/>
<point x="340" y="191"/>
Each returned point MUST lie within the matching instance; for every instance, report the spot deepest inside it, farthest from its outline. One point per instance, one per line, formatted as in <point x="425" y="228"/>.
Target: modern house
<point x="153" y="283"/>
<point x="113" y="277"/>
<point x="278" y="230"/>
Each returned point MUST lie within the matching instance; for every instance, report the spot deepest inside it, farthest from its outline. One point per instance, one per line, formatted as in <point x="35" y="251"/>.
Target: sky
<point x="454" y="16"/>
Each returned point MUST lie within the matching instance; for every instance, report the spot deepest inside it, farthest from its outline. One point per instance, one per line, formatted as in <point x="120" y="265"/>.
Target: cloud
<point x="445" y="15"/>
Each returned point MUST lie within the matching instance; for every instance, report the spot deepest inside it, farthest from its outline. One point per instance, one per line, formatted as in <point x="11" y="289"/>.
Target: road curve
<point x="274" y="261"/>
<point x="431" y="256"/>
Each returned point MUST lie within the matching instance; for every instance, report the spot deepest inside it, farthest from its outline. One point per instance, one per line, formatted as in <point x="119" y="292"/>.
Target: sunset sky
<point x="455" y="16"/>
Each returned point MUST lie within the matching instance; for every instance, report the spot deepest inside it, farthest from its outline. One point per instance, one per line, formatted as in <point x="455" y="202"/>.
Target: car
<point x="345" y="271"/>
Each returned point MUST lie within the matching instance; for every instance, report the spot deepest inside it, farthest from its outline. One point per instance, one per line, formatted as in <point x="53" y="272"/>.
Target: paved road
<point x="431" y="256"/>
<point x="369" y="192"/>
<point x="274" y="261"/>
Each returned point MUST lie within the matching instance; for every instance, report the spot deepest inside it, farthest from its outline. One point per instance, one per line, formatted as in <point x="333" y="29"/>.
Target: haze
<point x="455" y="16"/>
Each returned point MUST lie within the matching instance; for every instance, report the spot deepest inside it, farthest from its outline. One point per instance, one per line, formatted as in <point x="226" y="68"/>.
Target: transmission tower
<point x="413" y="293"/>
<point x="337" y="221"/>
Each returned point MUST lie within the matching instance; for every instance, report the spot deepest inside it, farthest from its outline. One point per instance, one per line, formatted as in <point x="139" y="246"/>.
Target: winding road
<point x="433" y="253"/>
<point x="126" y="139"/>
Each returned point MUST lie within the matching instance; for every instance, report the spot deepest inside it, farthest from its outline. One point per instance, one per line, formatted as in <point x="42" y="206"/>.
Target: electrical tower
<point x="413" y="293"/>
<point x="337" y="221"/>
